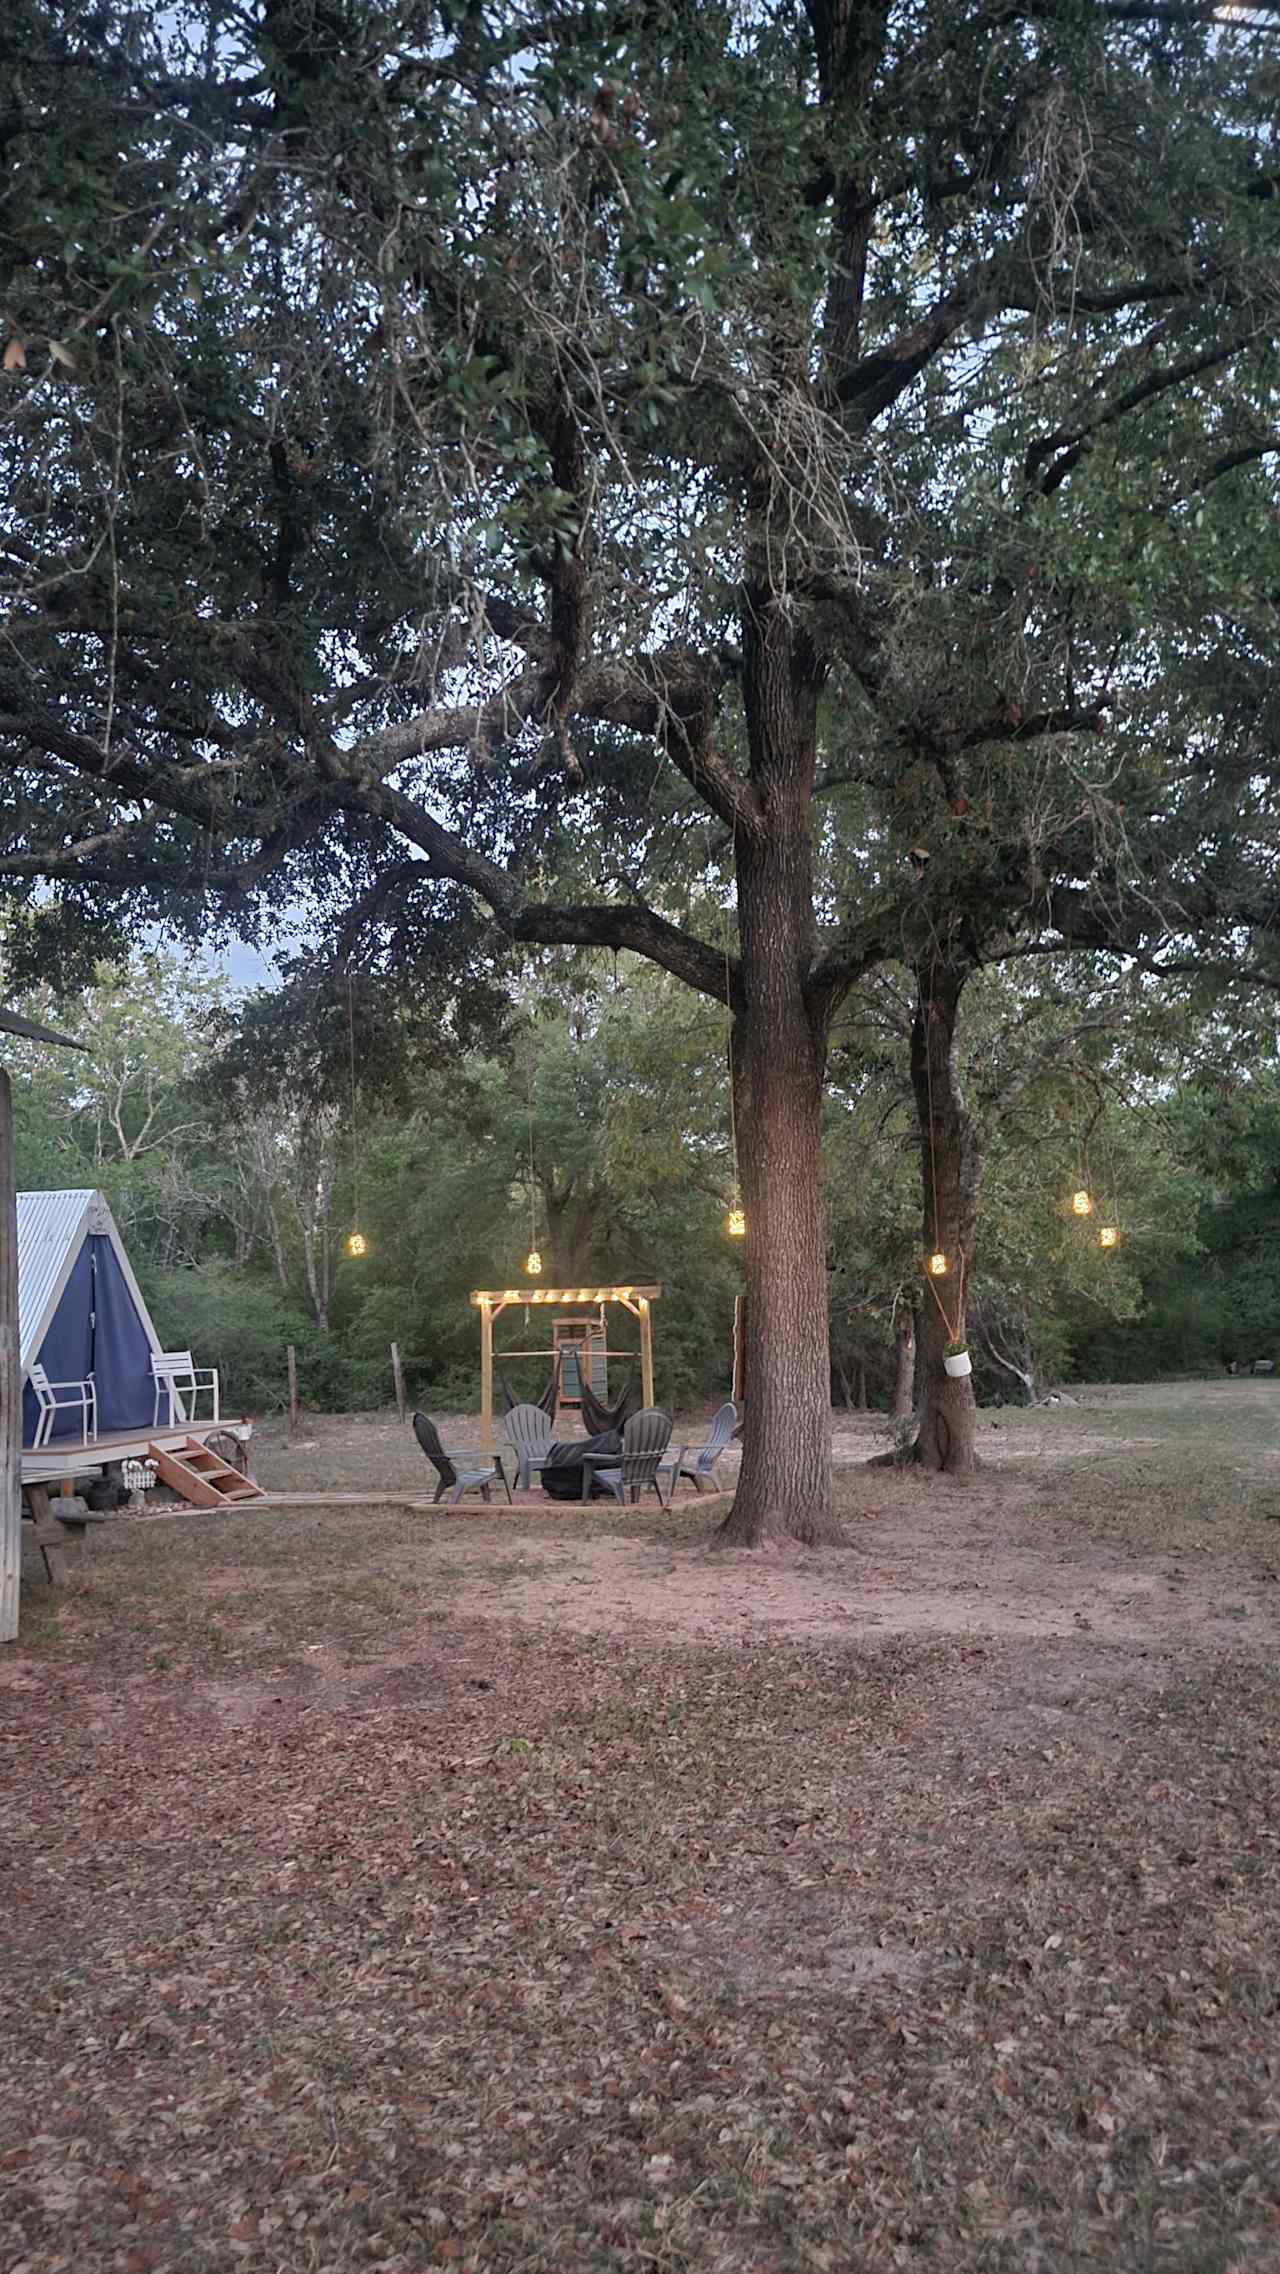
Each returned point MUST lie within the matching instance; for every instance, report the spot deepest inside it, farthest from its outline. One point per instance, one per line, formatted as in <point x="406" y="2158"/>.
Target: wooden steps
<point x="200" y="1476"/>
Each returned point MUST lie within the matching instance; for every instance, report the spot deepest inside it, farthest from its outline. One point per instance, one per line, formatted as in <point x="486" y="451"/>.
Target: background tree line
<point x="593" y="1121"/>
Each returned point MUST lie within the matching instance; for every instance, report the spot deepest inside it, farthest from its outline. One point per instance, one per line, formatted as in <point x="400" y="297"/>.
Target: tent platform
<point x="68" y="1458"/>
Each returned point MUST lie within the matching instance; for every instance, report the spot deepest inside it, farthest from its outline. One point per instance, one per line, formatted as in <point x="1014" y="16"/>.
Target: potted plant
<point x="956" y="1358"/>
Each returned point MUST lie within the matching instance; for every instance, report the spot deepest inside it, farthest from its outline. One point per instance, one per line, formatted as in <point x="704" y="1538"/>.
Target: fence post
<point x="293" y="1391"/>
<point x="397" y="1376"/>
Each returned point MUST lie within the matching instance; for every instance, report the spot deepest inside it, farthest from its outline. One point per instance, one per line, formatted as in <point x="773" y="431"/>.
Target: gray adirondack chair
<point x="644" y="1441"/>
<point x="530" y="1436"/>
<point x="478" y="1474"/>
<point x="699" y="1461"/>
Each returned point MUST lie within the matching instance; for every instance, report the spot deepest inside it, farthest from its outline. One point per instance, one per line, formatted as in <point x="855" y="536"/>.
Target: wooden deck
<point x="55" y="1464"/>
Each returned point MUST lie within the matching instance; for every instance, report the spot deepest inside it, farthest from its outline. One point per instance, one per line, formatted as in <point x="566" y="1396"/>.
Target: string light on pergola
<point x="1240" y="16"/>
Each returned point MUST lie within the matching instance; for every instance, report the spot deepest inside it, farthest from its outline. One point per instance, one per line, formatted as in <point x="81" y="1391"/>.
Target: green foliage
<point x="626" y="1077"/>
<point x="1221" y="1308"/>
<point x="242" y="1324"/>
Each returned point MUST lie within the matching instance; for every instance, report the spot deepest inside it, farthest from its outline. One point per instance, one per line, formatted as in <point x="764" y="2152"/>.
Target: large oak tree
<point x="510" y="457"/>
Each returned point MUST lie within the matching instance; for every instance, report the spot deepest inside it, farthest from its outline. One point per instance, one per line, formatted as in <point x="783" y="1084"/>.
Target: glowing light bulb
<point x="357" y="1244"/>
<point x="938" y="1266"/>
<point x="533" y="1263"/>
<point x="735" y="1224"/>
<point x="1082" y="1202"/>
<point x="1108" y="1237"/>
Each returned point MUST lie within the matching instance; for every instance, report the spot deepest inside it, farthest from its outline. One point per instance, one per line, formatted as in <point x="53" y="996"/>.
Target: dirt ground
<point x="1103" y="1517"/>
<point x="550" y="1892"/>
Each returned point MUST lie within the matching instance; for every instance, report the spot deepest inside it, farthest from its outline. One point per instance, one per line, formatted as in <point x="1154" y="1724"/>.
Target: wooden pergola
<point x="492" y="1301"/>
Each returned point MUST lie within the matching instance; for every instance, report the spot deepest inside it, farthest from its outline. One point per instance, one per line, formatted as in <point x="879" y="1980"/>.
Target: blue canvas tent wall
<point x="80" y="1311"/>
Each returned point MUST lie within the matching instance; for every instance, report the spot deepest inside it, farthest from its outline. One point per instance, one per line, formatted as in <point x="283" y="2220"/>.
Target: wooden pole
<point x="10" y="1380"/>
<point x="397" y="1376"/>
<point x="739" y="1349"/>
<point x="486" y="1377"/>
<point x="646" y="1351"/>
<point x="293" y="1391"/>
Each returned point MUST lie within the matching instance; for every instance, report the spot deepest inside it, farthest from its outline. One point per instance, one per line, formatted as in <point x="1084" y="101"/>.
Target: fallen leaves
<point x="652" y="1956"/>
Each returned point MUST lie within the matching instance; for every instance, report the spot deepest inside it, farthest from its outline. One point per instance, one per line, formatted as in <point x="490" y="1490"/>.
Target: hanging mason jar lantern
<point x="938" y="1265"/>
<point x="1109" y="1236"/>
<point x="1082" y="1202"/>
<point x="357" y="1244"/>
<point x="533" y="1263"/>
<point x="735" y="1223"/>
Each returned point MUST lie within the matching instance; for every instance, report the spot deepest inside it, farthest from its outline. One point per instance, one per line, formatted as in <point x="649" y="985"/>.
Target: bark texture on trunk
<point x="904" y="1354"/>
<point x="779" y="1065"/>
<point x="951" y="1171"/>
<point x="575" y="1221"/>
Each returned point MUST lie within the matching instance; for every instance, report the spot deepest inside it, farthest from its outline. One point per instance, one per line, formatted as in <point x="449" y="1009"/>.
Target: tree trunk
<point x="10" y="1381"/>
<point x="784" y="1489"/>
<point x="277" y="1244"/>
<point x="904" y="1352"/>
<point x="1023" y="1365"/>
<point x="314" y="1270"/>
<point x="951" y="1173"/>
<point x="779" y="1063"/>
<point x="573" y="1233"/>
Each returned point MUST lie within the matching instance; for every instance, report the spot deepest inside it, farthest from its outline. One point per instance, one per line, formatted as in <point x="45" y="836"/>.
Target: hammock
<point x="549" y="1396"/>
<point x="599" y="1418"/>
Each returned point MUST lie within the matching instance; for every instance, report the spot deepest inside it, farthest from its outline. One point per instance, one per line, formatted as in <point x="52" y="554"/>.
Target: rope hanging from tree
<point x="735" y="1222"/>
<point x="938" y="1264"/>
<point x="533" y="1260"/>
<point x="357" y="1244"/>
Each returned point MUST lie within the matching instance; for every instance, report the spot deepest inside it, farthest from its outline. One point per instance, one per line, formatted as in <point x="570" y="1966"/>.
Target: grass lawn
<point x="543" y="1893"/>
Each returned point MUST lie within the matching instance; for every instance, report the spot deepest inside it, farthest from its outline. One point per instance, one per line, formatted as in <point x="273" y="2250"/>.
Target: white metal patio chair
<point x="54" y="1398"/>
<point x="179" y="1379"/>
<point x="698" y="1462"/>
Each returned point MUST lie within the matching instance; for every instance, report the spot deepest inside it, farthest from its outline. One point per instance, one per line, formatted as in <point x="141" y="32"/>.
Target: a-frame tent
<point x="81" y="1312"/>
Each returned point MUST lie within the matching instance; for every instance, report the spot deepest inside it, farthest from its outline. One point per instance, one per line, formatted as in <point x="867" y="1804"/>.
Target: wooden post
<point x="739" y="1349"/>
<point x="10" y="1381"/>
<point x="486" y="1377"/>
<point x="646" y="1350"/>
<point x="293" y="1391"/>
<point x="397" y="1376"/>
<point x="51" y="1534"/>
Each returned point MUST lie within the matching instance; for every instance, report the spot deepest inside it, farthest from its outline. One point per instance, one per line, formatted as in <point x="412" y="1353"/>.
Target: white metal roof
<point x="51" y="1229"/>
<point x="48" y="1232"/>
